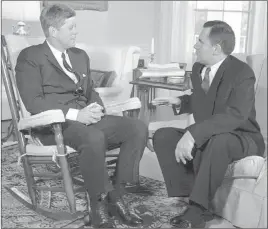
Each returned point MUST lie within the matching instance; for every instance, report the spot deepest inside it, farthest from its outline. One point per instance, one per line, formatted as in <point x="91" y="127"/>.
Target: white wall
<point x="125" y="22"/>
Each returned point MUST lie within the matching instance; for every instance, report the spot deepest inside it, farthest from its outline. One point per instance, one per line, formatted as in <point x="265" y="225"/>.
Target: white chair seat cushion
<point x="37" y="150"/>
<point x="248" y="167"/>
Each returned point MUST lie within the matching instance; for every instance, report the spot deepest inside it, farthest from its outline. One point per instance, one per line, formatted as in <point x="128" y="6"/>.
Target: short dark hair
<point x="221" y="33"/>
<point x="55" y="15"/>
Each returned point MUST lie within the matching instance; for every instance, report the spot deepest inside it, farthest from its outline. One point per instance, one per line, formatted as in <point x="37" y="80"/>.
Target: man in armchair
<point x="194" y="160"/>
<point x="56" y="75"/>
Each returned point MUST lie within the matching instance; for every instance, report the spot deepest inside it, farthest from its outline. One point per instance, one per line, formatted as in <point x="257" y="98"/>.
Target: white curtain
<point x="257" y="38"/>
<point x="174" y="34"/>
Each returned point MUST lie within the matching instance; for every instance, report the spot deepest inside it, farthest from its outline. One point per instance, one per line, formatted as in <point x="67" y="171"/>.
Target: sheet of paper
<point x="161" y="72"/>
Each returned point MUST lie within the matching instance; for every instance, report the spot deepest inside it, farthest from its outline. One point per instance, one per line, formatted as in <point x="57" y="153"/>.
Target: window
<point x="235" y="13"/>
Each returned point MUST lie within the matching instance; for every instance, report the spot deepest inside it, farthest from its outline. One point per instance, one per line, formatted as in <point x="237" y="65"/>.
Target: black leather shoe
<point x="179" y="222"/>
<point x="100" y="215"/>
<point x="127" y="216"/>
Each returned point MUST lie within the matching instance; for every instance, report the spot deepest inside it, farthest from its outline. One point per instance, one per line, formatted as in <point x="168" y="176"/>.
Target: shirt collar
<point x="214" y="68"/>
<point x="55" y="51"/>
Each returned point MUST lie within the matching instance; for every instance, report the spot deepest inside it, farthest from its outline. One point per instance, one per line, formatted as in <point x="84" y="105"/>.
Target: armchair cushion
<point x="102" y="78"/>
<point x="248" y="167"/>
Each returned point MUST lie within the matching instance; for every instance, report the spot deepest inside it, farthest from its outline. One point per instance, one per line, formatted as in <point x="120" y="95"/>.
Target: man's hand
<point x="90" y="114"/>
<point x="166" y="101"/>
<point x="184" y="148"/>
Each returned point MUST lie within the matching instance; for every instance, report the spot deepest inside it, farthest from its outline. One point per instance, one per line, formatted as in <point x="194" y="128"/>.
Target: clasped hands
<point x="90" y="114"/>
<point x="185" y="145"/>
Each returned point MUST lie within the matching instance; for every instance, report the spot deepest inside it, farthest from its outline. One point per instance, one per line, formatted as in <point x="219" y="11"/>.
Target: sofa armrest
<point x="118" y="107"/>
<point x="42" y="119"/>
<point x="248" y="167"/>
<point x="109" y="91"/>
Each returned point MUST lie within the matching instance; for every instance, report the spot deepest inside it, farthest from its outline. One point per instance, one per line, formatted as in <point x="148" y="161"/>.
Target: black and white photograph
<point x="133" y="114"/>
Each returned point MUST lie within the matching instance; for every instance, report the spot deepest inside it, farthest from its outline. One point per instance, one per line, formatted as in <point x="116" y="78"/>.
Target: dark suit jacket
<point x="43" y="85"/>
<point x="228" y="106"/>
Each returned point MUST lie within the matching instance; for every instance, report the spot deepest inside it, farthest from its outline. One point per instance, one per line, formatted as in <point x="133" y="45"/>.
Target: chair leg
<point x="67" y="178"/>
<point x="88" y="213"/>
<point x="149" y="146"/>
<point x="28" y="171"/>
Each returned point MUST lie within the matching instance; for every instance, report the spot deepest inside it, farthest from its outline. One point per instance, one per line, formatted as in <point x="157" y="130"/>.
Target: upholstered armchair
<point x="242" y="197"/>
<point x="120" y="61"/>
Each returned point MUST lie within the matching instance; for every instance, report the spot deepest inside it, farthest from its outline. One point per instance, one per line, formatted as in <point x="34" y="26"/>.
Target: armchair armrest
<point x="42" y="119"/>
<point x="117" y="107"/>
<point x="109" y="91"/>
<point x="248" y="167"/>
<point x="261" y="184"/>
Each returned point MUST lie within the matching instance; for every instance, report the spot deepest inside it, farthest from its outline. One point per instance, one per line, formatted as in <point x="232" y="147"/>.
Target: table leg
<point x="145" y="112"/>
<point x="144" y="97"/>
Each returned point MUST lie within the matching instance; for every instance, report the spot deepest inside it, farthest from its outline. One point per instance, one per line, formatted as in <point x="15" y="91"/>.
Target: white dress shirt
<point x="72" y="113"/>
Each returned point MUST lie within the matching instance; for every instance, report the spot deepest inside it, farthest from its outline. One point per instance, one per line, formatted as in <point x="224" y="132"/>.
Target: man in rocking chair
<point x="56" y="75"/>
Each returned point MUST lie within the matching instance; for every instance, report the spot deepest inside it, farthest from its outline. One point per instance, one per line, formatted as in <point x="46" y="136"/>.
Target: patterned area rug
<point x="153" y="205"/>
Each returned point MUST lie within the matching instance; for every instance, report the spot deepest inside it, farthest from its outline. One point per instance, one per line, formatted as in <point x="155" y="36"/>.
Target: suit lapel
<point x="197" y="75"/>
<point x="212" y="92"/>
<point x="77" y="65"/>
<point x="51" y="58"/>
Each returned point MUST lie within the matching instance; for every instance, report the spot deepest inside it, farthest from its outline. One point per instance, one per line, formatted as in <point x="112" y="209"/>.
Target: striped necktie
<point x="68" y="67"/>
<point x="205" y="81"/>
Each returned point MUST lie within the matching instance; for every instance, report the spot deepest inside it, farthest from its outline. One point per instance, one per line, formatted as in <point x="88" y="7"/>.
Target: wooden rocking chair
<point x="33" y="153"/>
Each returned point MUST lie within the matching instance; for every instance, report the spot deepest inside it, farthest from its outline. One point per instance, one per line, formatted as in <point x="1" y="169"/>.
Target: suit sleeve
<point x="29" y="82"/>
<point x="92" y="95"/>
<point x="186" y="105"/>
<point x="237" y="111"/>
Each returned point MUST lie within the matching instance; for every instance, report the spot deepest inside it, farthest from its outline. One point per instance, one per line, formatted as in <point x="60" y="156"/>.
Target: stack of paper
<point x="164" y="66"/>
<point x="162" y="70"/>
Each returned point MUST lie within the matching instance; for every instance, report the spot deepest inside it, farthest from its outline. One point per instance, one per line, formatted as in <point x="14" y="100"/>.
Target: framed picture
<point x="82" y="5"/>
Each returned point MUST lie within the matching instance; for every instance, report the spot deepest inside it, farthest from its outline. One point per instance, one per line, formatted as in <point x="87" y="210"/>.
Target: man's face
<point x="66" y="34"/>
<point x="204" y="49"/>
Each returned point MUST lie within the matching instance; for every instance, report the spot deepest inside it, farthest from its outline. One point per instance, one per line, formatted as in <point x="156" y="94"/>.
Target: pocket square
<point x="84" y="75"/>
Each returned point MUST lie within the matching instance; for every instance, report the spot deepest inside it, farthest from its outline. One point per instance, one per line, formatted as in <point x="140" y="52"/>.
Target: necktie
<point x="68" y="67"/>
<point x="79" y="89"/>
<point x="205" y="81"/>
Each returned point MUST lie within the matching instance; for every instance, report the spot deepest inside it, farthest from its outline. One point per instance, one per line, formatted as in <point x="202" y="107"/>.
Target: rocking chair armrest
<point x="116" y="107"/>
<point x="42" y="119"/>
<point x="109" y="91"/>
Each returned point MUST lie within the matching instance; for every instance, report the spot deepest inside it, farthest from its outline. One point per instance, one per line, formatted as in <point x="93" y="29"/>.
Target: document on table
<point x="161" y="72"/>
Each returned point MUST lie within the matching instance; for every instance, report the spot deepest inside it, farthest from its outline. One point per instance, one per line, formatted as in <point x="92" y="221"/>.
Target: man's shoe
<point x="179" y="222"/>
<point x="191" y="218"/>
<point x="127" y="216"/>
<point x="100" y="215"/>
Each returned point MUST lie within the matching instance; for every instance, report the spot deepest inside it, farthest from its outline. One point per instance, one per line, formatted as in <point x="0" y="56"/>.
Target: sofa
<point x="242" y="197"/>
<point x="115" y="59"/>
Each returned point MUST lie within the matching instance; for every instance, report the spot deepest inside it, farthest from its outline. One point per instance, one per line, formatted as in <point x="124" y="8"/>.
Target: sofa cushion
<point x="248" y="167"/>
<point x="102" y="78"/>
